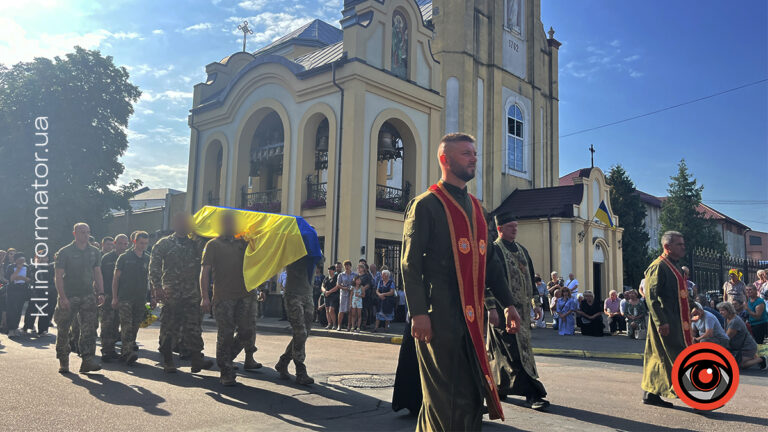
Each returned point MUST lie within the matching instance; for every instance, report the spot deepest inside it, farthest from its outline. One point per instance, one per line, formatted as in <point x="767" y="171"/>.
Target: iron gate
<point x="387" y="252"/>
<point x="709" y="270"/>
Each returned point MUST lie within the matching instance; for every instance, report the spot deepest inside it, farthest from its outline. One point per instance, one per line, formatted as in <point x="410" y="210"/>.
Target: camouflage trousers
<point x="132" y="313"/>
<point x="181" y="320"/>
<point x="300" y="310"/>
<point x="110" y="325"/>
<point x="234" y="316"/>
<point x="83" y="311"/>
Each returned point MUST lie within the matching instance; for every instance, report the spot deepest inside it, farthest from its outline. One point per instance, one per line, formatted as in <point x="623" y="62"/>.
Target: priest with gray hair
<point x="511" y="355"/>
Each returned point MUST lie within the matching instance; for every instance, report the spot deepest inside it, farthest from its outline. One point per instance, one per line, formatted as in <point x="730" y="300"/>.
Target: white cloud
<point x="197" y="27"/>
<point x="600" y="59"/>
<point x="158" y="32"/>
<point x="133" y="135"/>
<point x="124" y="35"/>
<point x="172" y="95"/>
<point x="16" y="44"/>
<point x="252" y="4"/>
<point x="269" y="26"/>
<point x="156" y="176"/>
<point x="144" y="69"/>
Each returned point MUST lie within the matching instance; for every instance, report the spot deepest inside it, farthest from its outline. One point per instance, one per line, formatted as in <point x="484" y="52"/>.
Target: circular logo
<point x="705" y="376"/>
<point x="464" y="245"/>
<point x="470" y="311"/>
<point x="481" y="247"/>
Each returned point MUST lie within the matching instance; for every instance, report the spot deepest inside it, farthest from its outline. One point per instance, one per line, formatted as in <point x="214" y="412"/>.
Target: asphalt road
<point x="586" y="394"/>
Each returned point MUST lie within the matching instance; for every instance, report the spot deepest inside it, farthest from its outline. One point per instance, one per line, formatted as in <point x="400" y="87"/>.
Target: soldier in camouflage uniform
<point x="78" y="270"/>
<point x="173" y="269"/>
<point x="129" y="293"/>
<point x="234" y="307"/>
<point x="299" y="307"/>
<point x="110" y="320"/>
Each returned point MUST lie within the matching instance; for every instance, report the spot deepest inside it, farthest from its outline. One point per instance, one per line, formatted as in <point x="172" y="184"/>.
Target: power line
<point x="665" y="109"/>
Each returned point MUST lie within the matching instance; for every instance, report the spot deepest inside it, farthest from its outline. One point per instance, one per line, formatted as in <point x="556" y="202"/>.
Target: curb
<point x="554" y="352"/>
<point x="397" y="340"/>
<point x="365" y="337"/>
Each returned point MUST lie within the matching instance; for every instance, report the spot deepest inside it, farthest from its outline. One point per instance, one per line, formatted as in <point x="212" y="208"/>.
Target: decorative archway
<point x="317" y="146"/>
<point x="263" y="146"/>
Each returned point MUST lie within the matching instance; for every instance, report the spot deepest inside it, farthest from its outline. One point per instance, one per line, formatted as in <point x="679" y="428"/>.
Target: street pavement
<point x="353" y="393"/>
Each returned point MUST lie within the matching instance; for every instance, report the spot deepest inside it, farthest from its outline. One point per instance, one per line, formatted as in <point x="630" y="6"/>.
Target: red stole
<point x="469" y="247"/>
<point x="682" y="296"/>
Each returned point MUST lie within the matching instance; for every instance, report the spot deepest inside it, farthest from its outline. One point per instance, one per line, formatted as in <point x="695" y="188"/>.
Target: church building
<point x="340" y="125"/>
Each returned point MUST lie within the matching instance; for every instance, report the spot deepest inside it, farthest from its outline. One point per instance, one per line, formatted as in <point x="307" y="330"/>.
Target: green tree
<point x="63" y="127"/>
<point x="626" y="204"/>
<point x="680" y="213"/>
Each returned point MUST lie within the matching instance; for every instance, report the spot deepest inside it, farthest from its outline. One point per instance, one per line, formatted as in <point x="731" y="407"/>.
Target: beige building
<point x="559" y="229"/>
<point x="341" y="126"/>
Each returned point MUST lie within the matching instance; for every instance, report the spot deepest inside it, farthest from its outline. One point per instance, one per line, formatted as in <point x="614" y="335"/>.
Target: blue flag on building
<point x="603" y="215"/>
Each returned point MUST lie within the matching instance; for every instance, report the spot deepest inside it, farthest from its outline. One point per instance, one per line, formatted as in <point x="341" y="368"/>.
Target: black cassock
<point x="407" y="392"/>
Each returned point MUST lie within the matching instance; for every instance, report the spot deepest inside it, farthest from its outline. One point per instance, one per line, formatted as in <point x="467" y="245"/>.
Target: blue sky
<point x="618" y="59"/>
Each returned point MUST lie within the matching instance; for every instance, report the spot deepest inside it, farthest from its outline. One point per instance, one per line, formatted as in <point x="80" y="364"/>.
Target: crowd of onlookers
<point x="355" y="299"/>
<point x="739" y="322"/>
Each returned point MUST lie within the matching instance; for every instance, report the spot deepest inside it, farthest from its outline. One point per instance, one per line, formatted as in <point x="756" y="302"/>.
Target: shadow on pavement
<point x="116" y="393"/>
<point x="729" y="417"/>
<point x="602" y="419"/>
<point x="317" y="407"/>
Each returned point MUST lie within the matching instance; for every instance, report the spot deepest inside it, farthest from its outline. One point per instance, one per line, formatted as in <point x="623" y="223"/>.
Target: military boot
<point x="301" y="375"/>
<point x="282" y="368"/>
<point x="109" y="356"/>
<point x="250" y="363"/>
<point x="64" y="364"/>
<point x="89" y="364"/>
<point x="228" y="378"/>
<point x="199" y="362"/>
<point x="167" y="363"/>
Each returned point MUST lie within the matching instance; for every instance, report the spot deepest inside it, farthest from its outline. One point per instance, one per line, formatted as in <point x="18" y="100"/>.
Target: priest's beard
<point x="464" y="173"/>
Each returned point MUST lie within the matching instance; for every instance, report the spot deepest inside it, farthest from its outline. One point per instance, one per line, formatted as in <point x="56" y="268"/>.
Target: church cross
<point x="246" y="31"/>
<point x="592" y="150"/>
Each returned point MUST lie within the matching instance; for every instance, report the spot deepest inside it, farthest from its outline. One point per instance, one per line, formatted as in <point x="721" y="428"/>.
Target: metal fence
<point x="709" y="270"/>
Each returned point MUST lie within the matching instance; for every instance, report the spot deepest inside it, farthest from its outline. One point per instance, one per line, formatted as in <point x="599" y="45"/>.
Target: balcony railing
<point x="317" y="194"/>
<point x="389" y="198"/>
<point x="266" y="201"/>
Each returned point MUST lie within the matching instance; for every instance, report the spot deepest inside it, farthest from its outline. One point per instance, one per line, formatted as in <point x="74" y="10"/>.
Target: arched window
<point x="515" y="141"/>
<point x="399" y="45"/>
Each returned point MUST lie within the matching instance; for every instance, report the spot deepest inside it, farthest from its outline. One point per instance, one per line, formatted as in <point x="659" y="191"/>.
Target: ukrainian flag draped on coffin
<point x="603" y="215"/>
<point x="274" y="240"/>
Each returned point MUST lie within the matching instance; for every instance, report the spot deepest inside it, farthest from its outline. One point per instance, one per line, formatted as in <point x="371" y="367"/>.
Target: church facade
<point x="341" y="125"/>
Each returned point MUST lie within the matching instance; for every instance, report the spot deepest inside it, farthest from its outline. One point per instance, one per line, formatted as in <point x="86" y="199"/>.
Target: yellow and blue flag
<point x="274" y="240"/>
<point x="603" y="215"/>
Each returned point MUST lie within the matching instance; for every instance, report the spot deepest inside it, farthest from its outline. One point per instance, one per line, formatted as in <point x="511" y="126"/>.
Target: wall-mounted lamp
<point x="581" y="236"/>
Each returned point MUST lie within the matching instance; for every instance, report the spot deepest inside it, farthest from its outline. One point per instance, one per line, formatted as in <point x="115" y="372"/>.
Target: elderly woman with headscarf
<point x="741" y="344"/>
<point x="734" y="288"/>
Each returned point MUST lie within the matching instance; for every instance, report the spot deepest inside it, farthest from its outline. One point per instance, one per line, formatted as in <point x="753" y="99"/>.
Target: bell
<point x="386" y="144"/>
<point x="322" y="144"/>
